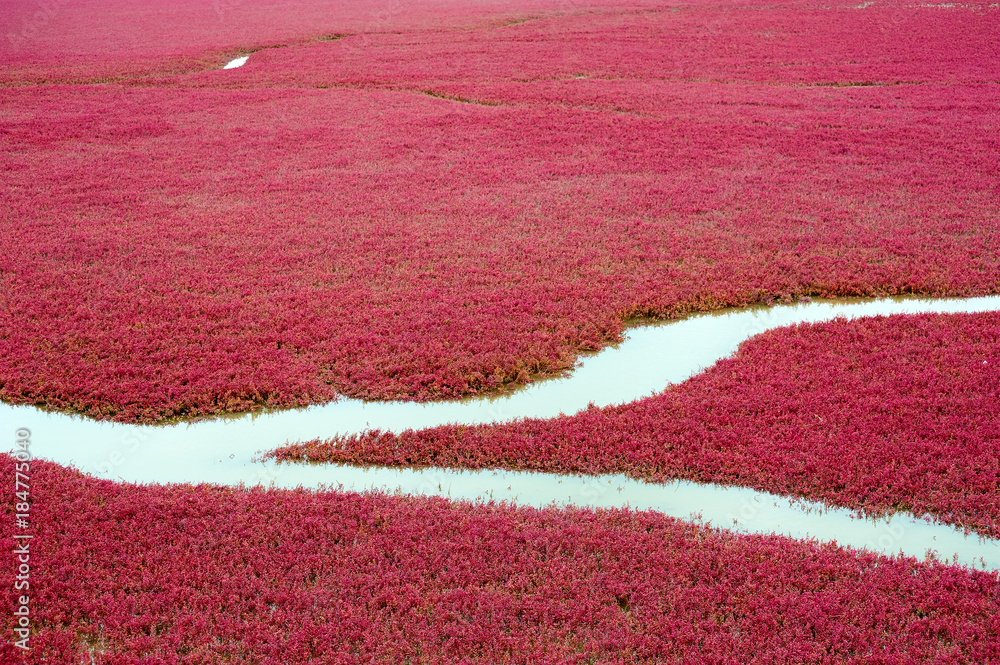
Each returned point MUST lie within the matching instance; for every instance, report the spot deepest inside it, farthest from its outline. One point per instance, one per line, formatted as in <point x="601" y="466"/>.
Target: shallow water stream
<point x="221" y="450"/>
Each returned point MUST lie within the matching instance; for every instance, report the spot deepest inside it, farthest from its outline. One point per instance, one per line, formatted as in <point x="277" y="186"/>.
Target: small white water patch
<point x="221" y="450"/>
<point x="238" y="62"/>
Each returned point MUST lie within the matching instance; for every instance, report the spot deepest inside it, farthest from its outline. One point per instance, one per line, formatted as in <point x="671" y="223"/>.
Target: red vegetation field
<point x="433" y="199"/>
<point x="181" y="574"/>
<point x="84" y="40"/>
<point x="791" y="44"/>
<point x="329" y="220"/>
<point x="881" y="414"/>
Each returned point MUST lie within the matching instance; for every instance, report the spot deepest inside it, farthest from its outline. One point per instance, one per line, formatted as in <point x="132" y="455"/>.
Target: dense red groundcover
<point x="335" y="222"/>
<point x="181" y="574"/>
<point x="882" y="414"/>
<point x="424" y="199"/>
<point x="85" y="40"/>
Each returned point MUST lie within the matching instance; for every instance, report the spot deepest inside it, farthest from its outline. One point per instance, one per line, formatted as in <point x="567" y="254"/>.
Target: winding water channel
<point x="222" y="450"/>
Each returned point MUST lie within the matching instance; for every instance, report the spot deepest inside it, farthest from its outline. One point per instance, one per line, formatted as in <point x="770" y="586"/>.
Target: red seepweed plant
<point x="880" y="414"/>
<point x="202" y="574"/>
<point x="433" y="213"/>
